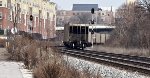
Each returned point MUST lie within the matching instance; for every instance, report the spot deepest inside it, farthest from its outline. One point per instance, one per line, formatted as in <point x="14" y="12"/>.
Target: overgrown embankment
<point x="43" y="59"/>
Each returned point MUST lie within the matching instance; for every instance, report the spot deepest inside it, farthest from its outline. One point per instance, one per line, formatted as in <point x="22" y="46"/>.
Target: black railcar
<point x="76" y="36"/>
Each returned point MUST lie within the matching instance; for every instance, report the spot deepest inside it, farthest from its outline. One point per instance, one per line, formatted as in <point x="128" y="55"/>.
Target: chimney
<point x="111" y="8"/>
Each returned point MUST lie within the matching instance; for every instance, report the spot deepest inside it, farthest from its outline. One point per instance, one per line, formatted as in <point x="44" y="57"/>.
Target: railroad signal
<point x="92" y="10"/>
<point x="92" y="21"/>
<point x="31" y="17"/>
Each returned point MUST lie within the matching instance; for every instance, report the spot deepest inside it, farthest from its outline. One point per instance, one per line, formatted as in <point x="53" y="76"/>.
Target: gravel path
<point x="10" y="70"/>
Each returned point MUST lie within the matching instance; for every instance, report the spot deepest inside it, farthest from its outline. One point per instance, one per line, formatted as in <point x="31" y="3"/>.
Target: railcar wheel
<point x="83" y="46"/>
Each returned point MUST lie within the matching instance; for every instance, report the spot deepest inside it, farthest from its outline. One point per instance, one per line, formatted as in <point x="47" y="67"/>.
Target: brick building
<point x="16" y="13"/>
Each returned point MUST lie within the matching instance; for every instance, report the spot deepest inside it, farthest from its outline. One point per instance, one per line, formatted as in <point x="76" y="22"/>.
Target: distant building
<point x="101" y="16"/>
<point x="106" y="17"/>
<point x="85" y="7"/>
<point x="63" y="16"/>
<point x="43" y="12"/>
<point x="81" y="13"/>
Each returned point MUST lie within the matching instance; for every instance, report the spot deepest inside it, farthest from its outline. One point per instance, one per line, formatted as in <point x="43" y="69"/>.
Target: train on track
<point x="76" y="36"/>
<point x="80" y="36"/>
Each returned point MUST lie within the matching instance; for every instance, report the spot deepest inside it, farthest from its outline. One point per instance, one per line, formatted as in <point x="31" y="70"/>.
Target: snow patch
<point x="13" y="70"/>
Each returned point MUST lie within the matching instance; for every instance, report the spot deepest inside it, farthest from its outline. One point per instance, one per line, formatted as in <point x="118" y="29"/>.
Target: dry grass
<point x="56" y="68"/>
<point x="2" y="42"/>
<point x="23" y="49"/>
<point x="44" y="60"/>
<point x="119" y="50"/>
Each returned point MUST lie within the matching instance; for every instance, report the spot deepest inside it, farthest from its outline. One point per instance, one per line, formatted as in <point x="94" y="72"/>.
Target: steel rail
<point x="126" y="60"/>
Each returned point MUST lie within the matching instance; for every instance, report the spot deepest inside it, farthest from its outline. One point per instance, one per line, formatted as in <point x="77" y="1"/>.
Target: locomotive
<point x="76" y="36"/>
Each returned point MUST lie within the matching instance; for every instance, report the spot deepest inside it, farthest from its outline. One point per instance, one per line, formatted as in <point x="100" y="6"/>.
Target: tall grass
<point x="44" y="59"/>
<point x="121" y="50"/>
<point x="56" y="67"/>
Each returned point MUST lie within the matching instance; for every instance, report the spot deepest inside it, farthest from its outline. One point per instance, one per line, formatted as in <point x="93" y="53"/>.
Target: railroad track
<point x="139" y="63"/>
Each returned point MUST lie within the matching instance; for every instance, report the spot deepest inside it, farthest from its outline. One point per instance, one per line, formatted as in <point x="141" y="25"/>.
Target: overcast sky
<point x="67" y="4"/>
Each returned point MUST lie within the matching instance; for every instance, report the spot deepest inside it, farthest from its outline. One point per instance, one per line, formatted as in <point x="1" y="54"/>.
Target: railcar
<point x="76" y="36"/>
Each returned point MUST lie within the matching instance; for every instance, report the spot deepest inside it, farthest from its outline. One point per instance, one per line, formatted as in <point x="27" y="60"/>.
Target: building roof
<point x="84" y="7"/>
<point x="90" y="26"/>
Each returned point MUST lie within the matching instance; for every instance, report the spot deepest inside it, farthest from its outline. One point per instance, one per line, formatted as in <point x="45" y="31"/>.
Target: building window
<point x="102" y="13"/>
<point x="22" y="19"/>
<point x="35" y="22"/>
<point x="10" y="17"/>
<point x="99" y="14"/>
<point x="44" y="24"/>
<point x="74" y="14"/>
<point x="0" y="27"/>
<point x="60" y="19"/>
<point x="9" y="5"/>
<point x="0" y="3"/>
<point x="0" y="15"/>
<point x="25" y="19"/>
<point x="62" y="13"/>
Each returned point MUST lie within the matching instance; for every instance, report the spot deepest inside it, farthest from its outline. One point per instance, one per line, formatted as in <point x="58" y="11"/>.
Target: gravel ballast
<point x="104" y="71"/>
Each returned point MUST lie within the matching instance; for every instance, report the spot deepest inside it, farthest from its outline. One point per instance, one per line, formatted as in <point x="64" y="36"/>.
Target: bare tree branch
<point x="132" y="27"/>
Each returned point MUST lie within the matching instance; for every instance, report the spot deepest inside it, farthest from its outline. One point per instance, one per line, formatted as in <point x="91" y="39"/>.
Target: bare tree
<point x="146" y="4"/>
<point x="15" y="16"/>
<point x="132" y="27"/>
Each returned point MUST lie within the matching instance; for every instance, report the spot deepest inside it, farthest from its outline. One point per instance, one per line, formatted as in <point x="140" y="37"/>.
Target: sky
<point x="104" y="4"/>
